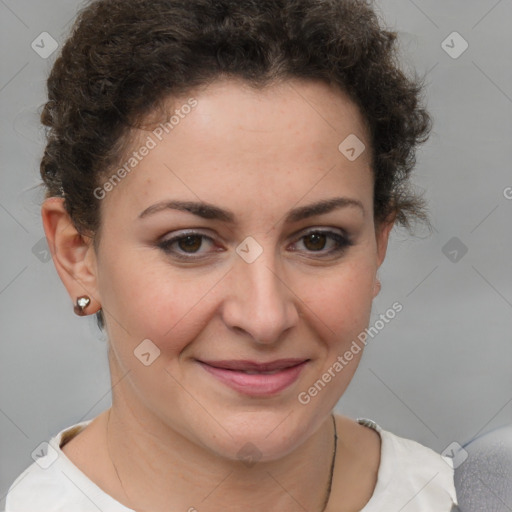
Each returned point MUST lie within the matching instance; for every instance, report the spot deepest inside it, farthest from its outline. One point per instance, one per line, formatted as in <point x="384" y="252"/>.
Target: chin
<point x="259" y="436"/>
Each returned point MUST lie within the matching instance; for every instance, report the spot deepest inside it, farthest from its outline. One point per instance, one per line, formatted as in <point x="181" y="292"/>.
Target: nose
<point x="259" y="301"/>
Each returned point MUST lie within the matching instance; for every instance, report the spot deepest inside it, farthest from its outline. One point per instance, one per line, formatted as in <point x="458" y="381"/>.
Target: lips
<point x="253" y="366"/>
<point x="254" y="378"/>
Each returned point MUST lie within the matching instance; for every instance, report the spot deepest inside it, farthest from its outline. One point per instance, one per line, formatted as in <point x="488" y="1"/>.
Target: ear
<point x="73" y="253"/>
<point x="382" y="231"/>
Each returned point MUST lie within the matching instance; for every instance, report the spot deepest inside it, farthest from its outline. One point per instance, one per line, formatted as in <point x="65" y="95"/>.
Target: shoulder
<point x="37" y="489"/>
<point x="54" y="484"/>
<point x="411" y="476"/>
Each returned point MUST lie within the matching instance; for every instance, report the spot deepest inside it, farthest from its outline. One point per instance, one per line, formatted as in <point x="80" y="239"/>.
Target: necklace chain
<point x="333" y="462"/>
<point x="329" y="484"/>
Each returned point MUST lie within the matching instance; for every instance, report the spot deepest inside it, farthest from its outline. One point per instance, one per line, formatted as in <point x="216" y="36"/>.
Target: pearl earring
<point x="81" y="304"/>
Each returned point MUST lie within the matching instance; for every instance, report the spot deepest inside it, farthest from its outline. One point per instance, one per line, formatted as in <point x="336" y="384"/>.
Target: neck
<point x="159" y="468"/>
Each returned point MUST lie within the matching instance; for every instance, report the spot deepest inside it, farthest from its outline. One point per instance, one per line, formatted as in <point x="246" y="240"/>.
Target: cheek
<point x="147" y="299"/>
<point x="342" y="302"/>
<point x="340" y="309"/>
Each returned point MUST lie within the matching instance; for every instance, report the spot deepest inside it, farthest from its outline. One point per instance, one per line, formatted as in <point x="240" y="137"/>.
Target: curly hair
<point x="125" y="57"/>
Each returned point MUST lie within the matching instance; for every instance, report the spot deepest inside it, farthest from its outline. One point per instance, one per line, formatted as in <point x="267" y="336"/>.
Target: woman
<point x="222" y="178"/>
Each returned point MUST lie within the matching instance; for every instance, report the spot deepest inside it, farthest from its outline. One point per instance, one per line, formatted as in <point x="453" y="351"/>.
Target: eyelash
<point x="342" y="241"/>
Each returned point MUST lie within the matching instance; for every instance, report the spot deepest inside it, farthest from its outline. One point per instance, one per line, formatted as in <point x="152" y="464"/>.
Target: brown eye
<point x="190" y="243"/>
<point x="186" y="244"/>
<point x="317" y="241"/>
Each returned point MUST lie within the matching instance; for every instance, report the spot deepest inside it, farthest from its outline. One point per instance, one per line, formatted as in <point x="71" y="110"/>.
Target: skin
<point x="174" y="431"/>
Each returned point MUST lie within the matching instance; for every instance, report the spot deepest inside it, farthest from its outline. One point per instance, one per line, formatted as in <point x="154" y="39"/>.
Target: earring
<point x="81" y="304"/>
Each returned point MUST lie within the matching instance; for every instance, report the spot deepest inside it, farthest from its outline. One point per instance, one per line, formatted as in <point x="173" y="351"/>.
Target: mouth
<point x="256" y="378"/>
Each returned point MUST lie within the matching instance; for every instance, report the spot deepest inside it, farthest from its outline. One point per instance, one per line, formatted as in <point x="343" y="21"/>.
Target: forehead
<point x="230" y="137"/>
<point x="304" y="110"/>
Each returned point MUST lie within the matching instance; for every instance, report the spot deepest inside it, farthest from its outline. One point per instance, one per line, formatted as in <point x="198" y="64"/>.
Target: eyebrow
<point x="209" y="211"/>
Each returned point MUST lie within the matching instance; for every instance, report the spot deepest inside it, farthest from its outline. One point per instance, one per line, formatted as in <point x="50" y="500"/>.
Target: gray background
<point x="439" y="372"/>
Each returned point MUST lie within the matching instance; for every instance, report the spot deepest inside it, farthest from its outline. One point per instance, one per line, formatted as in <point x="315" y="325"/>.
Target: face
<point x="256" y="278"/>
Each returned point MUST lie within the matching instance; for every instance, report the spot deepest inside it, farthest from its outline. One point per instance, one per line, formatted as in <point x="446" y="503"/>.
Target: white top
<point x="411" y="478"/>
